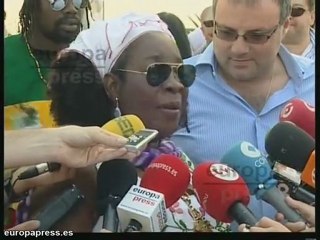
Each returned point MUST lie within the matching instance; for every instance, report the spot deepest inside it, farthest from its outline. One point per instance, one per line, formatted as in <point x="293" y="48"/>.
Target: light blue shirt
<point x="218" y="117"/>
<point x="310" y="51"/>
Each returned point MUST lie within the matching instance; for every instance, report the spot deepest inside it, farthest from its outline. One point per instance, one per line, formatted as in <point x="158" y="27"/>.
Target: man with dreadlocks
<point x="46" y="26"/>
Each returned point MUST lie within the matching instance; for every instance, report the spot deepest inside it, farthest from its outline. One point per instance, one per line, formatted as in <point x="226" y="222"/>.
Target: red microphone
<point x="168" y="175"/>
<point x="222" y="193"/>
<point x="300" y="113"/>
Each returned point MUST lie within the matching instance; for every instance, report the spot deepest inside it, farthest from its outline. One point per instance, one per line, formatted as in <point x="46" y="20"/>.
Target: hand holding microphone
<point x="264" y="225"/>
<point x="308" y="212"/>
<point x="253" y="167"/>
<point x="30" y="225"/>
<point x="21" y="185"/>
<point x="73" y="146"/>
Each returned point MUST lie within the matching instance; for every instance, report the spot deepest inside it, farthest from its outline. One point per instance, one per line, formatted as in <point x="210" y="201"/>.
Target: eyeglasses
<point x="157" y="73"/>
<point x="249" y="37"/>
<point x="297" y="12"/>
<point x="58" y="5"/>
<point x="208" y="23"/>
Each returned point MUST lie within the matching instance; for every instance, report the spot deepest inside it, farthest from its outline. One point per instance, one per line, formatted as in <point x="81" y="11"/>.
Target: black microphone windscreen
<point x="289" y="145"/>
<point x="115" y="178"/>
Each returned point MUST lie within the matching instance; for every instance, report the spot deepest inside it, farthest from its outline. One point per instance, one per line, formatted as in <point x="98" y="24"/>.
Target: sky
<point x="182" y="8"/>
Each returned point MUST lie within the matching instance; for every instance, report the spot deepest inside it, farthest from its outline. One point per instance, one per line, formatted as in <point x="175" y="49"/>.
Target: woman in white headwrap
<point x="130" y="65"/>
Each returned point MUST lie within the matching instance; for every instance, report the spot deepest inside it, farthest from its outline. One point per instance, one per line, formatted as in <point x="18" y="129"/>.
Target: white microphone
<point x="142" y="210"/>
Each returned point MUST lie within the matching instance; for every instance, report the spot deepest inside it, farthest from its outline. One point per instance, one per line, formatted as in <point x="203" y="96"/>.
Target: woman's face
<point x="159" y="107"/>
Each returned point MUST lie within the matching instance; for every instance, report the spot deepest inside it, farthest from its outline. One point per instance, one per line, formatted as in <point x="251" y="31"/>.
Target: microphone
<point x="166" y="176"/>
<point x="55" y="210"/>
<point x="114" y="179"/>
<point x="125" y="126"/>
<point x="222" y="193"/>
<point x="39" y="169"/>
<point x="291" y="146"/>
<point x="300" y="113"/>
<point x="253" y="167"/>
<point x="142" y="209"/>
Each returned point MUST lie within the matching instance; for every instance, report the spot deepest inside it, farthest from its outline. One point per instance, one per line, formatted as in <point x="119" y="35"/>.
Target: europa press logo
<point x="223" y="172"/>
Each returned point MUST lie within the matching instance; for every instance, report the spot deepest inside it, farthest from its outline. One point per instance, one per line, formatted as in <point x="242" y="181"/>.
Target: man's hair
<point x="178" y="30"/>
<point x="27" y="14"/>
<point x="285" y="7"/>
<point x="311" y="5"/>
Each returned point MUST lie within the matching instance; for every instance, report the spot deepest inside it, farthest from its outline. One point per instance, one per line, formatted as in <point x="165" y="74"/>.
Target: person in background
<point x="243" y="81"/>
<point x="178" y="30"/>
<point x="206" y="19"/>
<point x="46" y="27"/>
<point x="300" y="37"/>
<point x="201" y="37"/>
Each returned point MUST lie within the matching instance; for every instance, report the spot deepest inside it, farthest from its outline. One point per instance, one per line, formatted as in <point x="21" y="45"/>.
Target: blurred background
<point x="187" y="10"/>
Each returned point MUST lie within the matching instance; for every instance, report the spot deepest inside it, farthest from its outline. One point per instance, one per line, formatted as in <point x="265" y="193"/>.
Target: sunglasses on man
<point x="208" y="23"/>
<point x="157" y="73"/>
<point x="254" y="37"/>
<point x="297" y="12"/>
<point x="58" y="5"/>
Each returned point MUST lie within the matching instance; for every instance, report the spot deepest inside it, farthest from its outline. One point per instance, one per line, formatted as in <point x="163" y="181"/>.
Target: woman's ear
<point x="111" y="84"/>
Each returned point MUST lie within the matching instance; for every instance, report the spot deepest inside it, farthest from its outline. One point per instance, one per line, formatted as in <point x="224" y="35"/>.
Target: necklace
<point x="36" y="62"/>
<point x="270" y="86"/>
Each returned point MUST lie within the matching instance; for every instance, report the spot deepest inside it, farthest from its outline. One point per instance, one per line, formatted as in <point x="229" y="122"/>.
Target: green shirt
<point x="22" y="82"/>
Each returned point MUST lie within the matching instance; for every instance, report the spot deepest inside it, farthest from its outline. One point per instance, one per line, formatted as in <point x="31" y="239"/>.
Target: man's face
<point x="239" y="59"/>
<point x="59" y="26"/>
<point x="206" y="24"/>
<point x="299" y="26"/>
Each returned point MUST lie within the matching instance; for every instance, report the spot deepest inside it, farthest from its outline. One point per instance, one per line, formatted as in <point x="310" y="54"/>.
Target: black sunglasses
<point x="157" y="73"/>
<point x="297" y="12"/>
<point x="58" y="5"/>
<point x="208" y="23"/>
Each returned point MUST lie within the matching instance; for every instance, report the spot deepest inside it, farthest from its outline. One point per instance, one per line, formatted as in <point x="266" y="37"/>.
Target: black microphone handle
<point x="39" y="169"/>
<point x="110" y="218"/>
<point x="53" y="166"/>
<point x="241" y="214"/>
<point x="134" y="226"/>
<point x="29" y="173"/>
<point x="303" y="195"/>
<point x="275" y="197"/>
<point x="55" y="210"/>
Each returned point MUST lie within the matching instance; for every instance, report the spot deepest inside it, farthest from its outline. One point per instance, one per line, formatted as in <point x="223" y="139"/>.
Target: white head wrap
<point x="104" y="42"/>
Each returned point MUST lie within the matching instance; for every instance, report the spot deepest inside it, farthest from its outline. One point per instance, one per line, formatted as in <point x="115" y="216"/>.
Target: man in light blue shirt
<point x="243" y="84"/>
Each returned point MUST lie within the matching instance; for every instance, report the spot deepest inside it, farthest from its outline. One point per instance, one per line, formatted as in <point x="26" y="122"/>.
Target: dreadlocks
<point x="26" y="14"/>
<point x="28" y="9"/>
